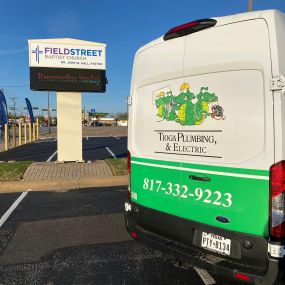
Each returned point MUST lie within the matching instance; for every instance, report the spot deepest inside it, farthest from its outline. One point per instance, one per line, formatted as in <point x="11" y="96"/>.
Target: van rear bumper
<point x="166" y="233"/>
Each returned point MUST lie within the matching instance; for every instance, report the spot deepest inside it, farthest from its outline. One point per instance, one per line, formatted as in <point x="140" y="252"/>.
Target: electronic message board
<point x="66" y="79"/>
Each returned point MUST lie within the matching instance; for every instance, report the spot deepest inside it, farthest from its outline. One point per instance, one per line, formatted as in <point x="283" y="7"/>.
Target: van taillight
<point x="277" y="201"/>
<point x="189" y="28"/>
<point x="241" y="276"/>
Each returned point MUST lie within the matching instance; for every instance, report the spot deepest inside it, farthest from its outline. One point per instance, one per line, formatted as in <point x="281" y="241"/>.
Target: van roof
<point x="268" y="15"/>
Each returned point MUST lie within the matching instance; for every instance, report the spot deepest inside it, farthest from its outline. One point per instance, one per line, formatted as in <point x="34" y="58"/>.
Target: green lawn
<point x="13" y="170"/>
<point x="118" y="165"/>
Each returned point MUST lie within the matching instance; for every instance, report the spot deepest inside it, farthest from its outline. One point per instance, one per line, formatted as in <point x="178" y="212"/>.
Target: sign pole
<point x="25" y="133"/>
<point x="6" y="137"/>
<point x="20" y="133"/>
<point x="30" y="132"/>
<point x="48" y="115"/>
<point x="69" y="127"/>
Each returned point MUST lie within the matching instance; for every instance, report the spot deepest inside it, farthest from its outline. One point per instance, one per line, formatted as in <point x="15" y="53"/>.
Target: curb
<point x="58" y="185"/>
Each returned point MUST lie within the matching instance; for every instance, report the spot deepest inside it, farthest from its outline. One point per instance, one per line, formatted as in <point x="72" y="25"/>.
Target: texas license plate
<point x="216" y="243"/>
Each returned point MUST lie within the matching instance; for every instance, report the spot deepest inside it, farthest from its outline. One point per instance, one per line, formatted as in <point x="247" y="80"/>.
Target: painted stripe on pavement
<point x="116" y="137"/>
<point x="205" y="276"/>
<point x="51" y="157"/>
<point x="204" y="171"/>
<point x="12" y="208"/>
<point x="111" y="152"/>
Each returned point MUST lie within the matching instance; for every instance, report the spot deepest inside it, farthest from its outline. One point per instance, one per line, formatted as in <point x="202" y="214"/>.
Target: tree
<point x="122" y="116"/>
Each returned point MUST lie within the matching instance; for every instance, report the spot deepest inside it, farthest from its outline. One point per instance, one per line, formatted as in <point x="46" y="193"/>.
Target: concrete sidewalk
<point x="50" y="171"/>
<point x="56" y="176"/>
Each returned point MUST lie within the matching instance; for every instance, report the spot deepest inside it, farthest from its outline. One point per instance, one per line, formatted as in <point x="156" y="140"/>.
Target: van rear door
<point x="228" y="150"/>
<point x="155" y="168"/>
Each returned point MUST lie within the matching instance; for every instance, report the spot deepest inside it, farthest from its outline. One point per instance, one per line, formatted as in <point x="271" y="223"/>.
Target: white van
<point x="207" y="146"/>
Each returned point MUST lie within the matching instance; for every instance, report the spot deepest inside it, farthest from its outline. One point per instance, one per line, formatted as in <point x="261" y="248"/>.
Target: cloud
<point x="63" y="24"/>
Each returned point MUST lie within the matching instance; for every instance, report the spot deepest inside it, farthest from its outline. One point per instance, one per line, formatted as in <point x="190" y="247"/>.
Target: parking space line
<point x="111" y="152"/>
<point x="12" y="208"/>
<point x="205" y="276"/>
<point x="51" y="157"/>
<point x="116" y="137"/>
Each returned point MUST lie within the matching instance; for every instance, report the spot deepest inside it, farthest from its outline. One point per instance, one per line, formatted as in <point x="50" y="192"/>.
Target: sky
<point x="123" y="25"/>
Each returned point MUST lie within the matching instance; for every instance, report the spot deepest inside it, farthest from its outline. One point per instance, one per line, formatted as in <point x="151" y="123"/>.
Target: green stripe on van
<point x="240" y="195"/>
<point x="244" y="171"/>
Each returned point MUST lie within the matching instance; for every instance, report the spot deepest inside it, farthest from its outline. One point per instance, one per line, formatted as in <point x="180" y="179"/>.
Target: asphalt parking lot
<point x="78" y="237"/>
<point x="94" y="148"/>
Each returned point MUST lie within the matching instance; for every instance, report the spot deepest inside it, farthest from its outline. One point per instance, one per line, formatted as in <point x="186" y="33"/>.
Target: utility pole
<point x="48" y="115"/>
<point x="14" y="108"/>
<point x="249" y="5"/>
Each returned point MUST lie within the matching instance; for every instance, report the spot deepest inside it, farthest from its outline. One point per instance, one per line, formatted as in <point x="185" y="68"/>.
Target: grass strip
<point x="118" y="166"/>
<point x="11" y="171"/>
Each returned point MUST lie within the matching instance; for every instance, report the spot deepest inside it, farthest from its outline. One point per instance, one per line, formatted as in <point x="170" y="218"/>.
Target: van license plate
<point x="216" y="243"/>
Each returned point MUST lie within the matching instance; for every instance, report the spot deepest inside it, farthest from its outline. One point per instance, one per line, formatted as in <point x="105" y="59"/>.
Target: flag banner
<point x="3" y="111"/>
<point x="30" y="109"/>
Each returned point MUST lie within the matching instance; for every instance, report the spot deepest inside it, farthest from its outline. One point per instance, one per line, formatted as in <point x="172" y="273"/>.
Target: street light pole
<point x="249" y="5"/>
<point x="14" y="103"/>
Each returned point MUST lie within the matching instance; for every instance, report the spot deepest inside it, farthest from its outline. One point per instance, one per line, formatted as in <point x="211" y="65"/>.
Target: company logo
<point x="61" y="52"/>
<point x="186" y="108"/>
<point x="72" y="51"/>
<point x="37" y="52"/>
<point x="222" y="219"/>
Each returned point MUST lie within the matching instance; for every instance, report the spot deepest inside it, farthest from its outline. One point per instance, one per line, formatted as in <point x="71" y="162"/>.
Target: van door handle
<point x="199" y="178"/>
